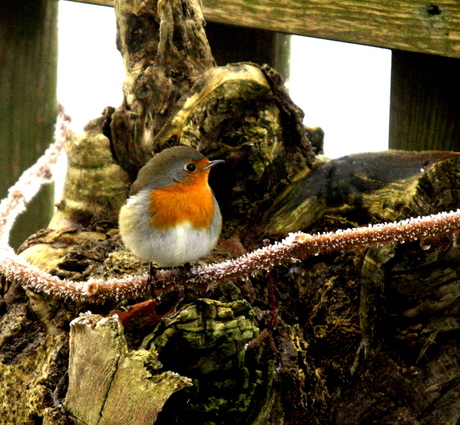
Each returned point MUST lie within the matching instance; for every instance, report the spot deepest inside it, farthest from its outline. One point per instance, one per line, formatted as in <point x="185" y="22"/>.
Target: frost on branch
<point x="339" y="321"/>
<point x="20" y="194"/>
<point x="296" y="246"/>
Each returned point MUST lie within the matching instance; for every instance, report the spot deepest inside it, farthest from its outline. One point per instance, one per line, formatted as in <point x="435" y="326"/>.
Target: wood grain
<point x="413" y="25"/>
<point x="425" y="102"/>
<point x="108" y="384"/>
<point x="28" y="106"/>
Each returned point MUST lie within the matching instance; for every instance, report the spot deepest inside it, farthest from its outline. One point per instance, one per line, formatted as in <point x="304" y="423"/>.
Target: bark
<point x="360" y="336"/>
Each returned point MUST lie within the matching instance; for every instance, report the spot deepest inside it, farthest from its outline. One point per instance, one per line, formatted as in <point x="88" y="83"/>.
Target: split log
<point x="109" y="384"/>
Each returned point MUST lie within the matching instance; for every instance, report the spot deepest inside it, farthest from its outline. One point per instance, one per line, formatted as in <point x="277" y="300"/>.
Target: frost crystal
<point x="294" y="247"/>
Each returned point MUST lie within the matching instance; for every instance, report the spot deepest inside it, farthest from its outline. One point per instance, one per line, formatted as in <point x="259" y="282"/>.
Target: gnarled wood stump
<point x="362" y="336"/>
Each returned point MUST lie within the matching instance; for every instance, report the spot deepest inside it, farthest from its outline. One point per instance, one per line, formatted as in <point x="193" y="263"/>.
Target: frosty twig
<point x="295" y="246"/>
<point x="22" y="192"/>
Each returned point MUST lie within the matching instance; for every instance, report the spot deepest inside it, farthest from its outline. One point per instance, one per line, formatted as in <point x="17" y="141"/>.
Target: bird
<point x="171" y="217"/>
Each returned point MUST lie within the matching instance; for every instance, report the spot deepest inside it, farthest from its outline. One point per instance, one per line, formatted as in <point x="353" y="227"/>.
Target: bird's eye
<point x="190" y="167"/>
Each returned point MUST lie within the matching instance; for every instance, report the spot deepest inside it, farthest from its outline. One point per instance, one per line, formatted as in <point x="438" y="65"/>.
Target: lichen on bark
<point x="325" y="332"/>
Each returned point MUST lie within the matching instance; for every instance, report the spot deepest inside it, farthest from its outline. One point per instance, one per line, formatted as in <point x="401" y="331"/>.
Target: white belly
<point x="173" y="247"/>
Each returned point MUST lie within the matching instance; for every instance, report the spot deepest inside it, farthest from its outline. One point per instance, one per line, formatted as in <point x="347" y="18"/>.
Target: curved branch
<point x="295" y="246"/>
<point x="22" y="192"/>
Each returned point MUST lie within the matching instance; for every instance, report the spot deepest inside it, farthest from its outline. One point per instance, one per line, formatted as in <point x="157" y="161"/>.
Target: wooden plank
<point x="28" y="106"/>
<point x="229" y="45"/>
<point x="425" y="102"/>
<point x="97" y="2"/>
<point x="413" y="25"/>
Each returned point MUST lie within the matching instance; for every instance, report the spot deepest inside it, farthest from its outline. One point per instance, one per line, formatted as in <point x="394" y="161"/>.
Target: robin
<point x="171" y="216"/>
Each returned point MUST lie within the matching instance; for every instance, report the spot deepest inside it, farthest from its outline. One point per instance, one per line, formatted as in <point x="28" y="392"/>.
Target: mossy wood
<point x="416" y="26"/>
<point x="355" y="337"/>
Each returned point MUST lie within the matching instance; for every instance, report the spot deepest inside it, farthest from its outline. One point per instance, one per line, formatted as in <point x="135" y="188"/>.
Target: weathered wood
<point x="230" y="44"/>
<point x="315" y="317"/>
<point x="26" y="371"/>
<point x="95" y="185"/>
<point x="425" y="102"/>
<point x="208" y="338"/>
<point x="376" y="185"/>
<point x="28" y="106"/>
<point x="417" y="26"/>
<point x="162" y="63"/>
<point x="109" y="385"/>
<point x="98" y="2"/>
<point x="409" y="319"/>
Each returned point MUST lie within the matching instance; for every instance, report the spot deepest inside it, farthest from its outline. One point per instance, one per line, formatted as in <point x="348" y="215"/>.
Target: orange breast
<point x="192" y="201"/>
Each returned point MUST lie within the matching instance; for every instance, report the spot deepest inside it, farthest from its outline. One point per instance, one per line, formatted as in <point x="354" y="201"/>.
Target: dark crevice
<point x="433" y="10"/>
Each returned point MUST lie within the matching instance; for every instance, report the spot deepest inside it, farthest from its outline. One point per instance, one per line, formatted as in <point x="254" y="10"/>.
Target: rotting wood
<point x="109" y="385"/>
<point x="313" y="326"/>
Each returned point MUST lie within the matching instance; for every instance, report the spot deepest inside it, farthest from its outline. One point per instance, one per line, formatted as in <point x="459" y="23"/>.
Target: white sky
<point x="344" y="88"/>
<point x="90" y="68"/>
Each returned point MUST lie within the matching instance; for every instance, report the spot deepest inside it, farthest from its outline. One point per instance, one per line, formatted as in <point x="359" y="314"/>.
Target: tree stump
<point x="367" y="335"/>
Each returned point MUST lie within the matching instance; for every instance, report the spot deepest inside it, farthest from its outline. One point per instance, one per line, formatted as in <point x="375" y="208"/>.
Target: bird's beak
<point x="212" y="163"/>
